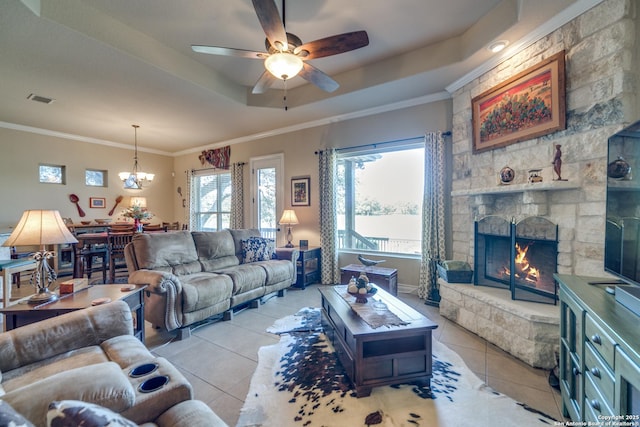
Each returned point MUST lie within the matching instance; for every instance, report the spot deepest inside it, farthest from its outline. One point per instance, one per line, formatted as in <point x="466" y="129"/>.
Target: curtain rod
<point x="210" y="169"/>
<point x="376" y="144"/>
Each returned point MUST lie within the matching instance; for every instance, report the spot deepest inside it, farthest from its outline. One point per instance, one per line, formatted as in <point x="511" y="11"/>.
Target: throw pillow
<point x="257" y="249"/>
<point x="9" y="416"/>
<point x="72" y="413"/>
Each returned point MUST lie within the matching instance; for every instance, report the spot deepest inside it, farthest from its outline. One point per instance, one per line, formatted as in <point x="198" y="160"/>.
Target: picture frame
<point x="97" y="202"/>
<point x="300" y="191"/>
<point x="526" y="106"/>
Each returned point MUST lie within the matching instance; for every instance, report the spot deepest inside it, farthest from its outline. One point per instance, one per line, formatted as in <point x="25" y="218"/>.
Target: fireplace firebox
<point x="521" y="257"/>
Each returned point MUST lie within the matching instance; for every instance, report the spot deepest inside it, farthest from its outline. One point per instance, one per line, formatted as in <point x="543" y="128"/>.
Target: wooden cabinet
<point x="599" y="354"/>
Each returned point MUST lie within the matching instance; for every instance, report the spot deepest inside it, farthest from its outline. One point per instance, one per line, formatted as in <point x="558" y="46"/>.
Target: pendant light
<point x="133" y="180"/>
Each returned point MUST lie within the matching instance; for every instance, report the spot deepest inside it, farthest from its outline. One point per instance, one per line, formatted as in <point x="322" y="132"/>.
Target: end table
<point x="307" y="266"/>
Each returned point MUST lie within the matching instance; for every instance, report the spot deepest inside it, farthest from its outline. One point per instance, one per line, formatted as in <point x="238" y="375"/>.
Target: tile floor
<point x="220" y="357"/>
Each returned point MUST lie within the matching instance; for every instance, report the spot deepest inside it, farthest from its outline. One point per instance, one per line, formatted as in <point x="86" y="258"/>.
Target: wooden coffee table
<point x="22" y="313"/>
<point x="382" y="356"/>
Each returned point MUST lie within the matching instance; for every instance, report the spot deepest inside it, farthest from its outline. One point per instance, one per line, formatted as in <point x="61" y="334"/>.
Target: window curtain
<point x="189" y="214"/>
<point x="328" y="220"/>
<point x="237" y="195"/>
<point x="433" y="237"/>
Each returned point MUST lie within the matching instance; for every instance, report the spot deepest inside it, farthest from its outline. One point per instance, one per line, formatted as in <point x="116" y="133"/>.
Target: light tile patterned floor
<point x="220" y="357"/>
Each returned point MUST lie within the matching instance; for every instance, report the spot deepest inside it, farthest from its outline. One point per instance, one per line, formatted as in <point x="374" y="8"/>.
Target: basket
<point x="455" y="276"/>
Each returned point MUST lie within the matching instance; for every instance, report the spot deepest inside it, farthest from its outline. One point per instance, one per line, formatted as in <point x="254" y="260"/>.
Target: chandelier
<point x="133" y="180"/>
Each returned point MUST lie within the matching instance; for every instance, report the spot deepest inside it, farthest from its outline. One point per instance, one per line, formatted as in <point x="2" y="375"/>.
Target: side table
<point x="307" y="266"/>
<point x="386" y="278"/>
<point x="8" y="267"/>
<point x="23" y="313"/>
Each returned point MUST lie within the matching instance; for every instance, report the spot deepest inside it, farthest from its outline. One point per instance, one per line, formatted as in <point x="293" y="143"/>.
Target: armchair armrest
<point x="51" y="337"/>
<point x="292" y="255"/>
<point x="158" y="282"/>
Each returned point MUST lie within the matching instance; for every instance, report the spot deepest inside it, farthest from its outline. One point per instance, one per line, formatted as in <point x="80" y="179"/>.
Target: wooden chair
<point x="117" y="242"/>
<point x="153" y="227"/>
<point x="122" y="228"/>
<point x="171" y="225"/>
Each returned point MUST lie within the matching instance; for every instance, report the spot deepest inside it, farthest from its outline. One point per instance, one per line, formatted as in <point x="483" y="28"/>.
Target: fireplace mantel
<point x="518" y="188"/>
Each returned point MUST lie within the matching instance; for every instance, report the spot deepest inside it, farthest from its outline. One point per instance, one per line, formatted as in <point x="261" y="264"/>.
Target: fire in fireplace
<point x="521" y="257"/>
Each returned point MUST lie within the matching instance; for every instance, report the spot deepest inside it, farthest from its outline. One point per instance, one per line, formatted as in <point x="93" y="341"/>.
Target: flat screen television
<point x="622" y="230"/>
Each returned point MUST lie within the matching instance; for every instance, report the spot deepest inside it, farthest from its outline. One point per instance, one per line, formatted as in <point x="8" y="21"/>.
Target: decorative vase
<point x="618" y="169"/>
<point x="138" y="225"/>
<point x="507" y="175"/>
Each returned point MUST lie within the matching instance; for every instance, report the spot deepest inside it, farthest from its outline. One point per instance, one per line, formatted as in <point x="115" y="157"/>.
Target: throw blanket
<point x="300" y="382"/>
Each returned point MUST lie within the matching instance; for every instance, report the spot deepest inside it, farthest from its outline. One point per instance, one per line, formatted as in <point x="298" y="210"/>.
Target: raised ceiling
<point x="112" y="63"/>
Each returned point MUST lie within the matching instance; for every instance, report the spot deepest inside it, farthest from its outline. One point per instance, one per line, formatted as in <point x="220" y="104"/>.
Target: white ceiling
<point x="112" y="63"/>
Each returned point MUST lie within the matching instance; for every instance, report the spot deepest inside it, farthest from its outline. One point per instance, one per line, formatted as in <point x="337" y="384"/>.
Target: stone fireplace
<point x="513" y="222"/>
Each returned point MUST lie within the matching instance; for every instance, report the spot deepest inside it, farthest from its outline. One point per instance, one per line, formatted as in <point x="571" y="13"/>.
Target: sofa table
<point x="22" y="313"/>
<point x="379" y="356"/>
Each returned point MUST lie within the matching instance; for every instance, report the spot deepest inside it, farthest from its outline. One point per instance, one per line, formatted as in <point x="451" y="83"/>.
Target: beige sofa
<point x="192" y="276"/>
<point x="89" y="356"/>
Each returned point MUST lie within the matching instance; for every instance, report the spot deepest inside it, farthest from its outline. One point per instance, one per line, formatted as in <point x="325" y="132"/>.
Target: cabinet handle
<point x="596" y="339"/>
<point x="595" y="405"/>
<point x="576" y="372"/>
<point x="596" y="372"/>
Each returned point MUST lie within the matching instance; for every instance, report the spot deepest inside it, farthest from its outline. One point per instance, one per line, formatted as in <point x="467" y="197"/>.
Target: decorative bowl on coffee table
<point x="362" y="298"/>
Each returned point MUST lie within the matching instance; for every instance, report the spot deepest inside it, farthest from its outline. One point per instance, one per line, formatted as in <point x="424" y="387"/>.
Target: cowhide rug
<point x="300" y="382"/>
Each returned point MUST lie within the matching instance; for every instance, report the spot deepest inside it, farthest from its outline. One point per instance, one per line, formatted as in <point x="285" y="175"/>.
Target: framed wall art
<point x="300" y="191"/>
<point x="528" y="105"/>
<point x="97" y="202"/>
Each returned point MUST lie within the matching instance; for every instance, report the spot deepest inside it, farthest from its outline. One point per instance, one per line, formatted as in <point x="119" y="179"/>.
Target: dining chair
<point x="122" y="228"/>
<point x="153" y="227"/>
<point x="116" y="244"/>
<point x="171" y="225"/>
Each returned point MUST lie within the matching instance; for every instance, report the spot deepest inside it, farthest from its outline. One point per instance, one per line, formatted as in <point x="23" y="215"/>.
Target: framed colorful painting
<point x="528" y="105"/>
<point x="300" y="192"/>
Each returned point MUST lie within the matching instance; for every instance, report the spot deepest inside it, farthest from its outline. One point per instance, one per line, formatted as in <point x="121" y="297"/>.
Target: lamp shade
<point x="40" y="227"/>
<point x="288" y="217"/>
<point x="139" y="201"/>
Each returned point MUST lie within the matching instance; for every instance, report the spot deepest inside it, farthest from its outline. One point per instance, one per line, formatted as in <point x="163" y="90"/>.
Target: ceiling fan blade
<point x="272" y="25"/>
<point x="228" y="51"/>
<point x="318" y="78"/>
<point x="265" y="81"/>
<point x="333" y="45"/>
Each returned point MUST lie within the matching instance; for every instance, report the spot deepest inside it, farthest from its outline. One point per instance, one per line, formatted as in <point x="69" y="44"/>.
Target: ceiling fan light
<point x="283" y="65"/>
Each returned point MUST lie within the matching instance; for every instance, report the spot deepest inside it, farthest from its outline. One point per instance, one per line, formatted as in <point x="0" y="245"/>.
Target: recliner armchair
<point x="88" y="355"/>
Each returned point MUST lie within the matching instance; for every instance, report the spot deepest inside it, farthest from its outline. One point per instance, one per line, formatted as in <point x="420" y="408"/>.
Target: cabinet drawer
<point x="595" y="406"/>
<point x="602" y="343"/>
<point x="599" y="373"/>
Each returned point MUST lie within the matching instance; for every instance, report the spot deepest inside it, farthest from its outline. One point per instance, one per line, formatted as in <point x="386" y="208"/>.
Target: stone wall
<point x="601" y="80"/>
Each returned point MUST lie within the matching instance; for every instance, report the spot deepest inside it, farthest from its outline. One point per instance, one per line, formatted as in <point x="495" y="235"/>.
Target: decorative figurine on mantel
<point x="557" y="163"/>
<point x="535" y="175"/>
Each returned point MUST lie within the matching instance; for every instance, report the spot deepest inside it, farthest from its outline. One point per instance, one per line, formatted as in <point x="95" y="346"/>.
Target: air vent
<point x="39" y="98"/>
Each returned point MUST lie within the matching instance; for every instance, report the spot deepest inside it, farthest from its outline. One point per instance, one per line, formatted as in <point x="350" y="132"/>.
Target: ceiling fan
<point x="286" y="55"/>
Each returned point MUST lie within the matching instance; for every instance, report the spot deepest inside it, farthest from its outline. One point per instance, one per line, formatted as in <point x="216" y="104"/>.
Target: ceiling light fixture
<point x="283" y="65"/>
<point x="497" y="46"/>
<point x="133" y="180"/>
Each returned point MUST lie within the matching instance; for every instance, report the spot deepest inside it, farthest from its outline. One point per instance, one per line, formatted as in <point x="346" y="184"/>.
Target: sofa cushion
<point x="215" y="249"/>
<point x="246" y="277"/>
<point x="10" y="417"/>
<point x="256" y="249"/>
<point x="241" y="234"/>
<point x="104" y="384"/>
<point x="277" y="271"/>
<point x="27" y="374"/>
<point x="203" y="290"/>
<point x="78" y="413"/>
<point x="173" y="252"/>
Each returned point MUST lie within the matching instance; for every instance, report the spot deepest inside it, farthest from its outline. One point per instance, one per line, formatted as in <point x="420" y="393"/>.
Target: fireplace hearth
<point x="521" y="257"/>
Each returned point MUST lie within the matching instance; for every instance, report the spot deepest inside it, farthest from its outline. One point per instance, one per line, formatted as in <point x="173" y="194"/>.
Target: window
<point x="52" y="174"/>
<point x="95" y="178"/>
<point x="211" y="201"/>
<point x="379" y="199"/>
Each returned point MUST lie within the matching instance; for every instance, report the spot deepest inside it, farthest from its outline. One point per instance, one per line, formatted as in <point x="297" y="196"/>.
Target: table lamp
<point x="41" y="227"/>
<point x="289" y="218"/>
